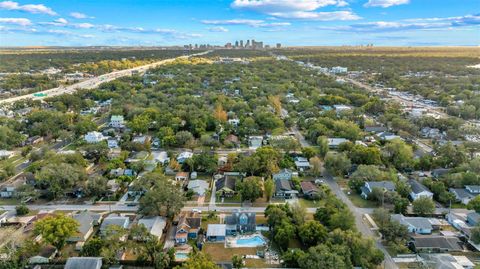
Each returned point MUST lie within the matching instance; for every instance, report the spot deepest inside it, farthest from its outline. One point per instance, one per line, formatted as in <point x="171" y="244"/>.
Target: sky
<point x="289" y="22"/>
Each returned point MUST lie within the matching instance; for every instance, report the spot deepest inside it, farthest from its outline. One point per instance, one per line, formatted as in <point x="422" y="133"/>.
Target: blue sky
<point x="290" y="22"/>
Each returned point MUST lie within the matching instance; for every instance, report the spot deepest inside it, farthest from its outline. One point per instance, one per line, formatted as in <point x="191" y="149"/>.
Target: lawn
<point x="219" y="253"/>
<point x="358" y="201"/>
<point x="234" y="199"/>
<point x="309" y="203"/>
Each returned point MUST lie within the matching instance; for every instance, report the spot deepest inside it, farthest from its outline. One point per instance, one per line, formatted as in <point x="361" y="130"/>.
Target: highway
<point x="94" y="82"/>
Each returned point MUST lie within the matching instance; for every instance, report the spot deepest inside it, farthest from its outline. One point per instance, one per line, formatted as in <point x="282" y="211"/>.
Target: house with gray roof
<point x="86" y="221"/>
<point x="370" y="185"/>
<point x="334" y="143"/>
<point x="419" y="190"/>
<point x="83" y="263"/>
<point x="241" y="222"/>
<point x="154" y="225"/>
<point x="417" y="225"/>
<point x="284" y="189"/>
<point x="436" y="244"/>
<point x="216" y="232"/>
<point x="473" y="218"/>
<point x="114" y="220"/>
<point x="473" y="189"/>
<point x="463" y="195"/>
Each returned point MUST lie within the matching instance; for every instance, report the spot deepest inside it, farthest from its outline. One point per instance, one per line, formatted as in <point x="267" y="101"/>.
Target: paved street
<point x="94" y="82"/>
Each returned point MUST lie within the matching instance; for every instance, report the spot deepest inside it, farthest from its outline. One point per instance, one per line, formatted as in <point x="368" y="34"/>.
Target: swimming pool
<point x="181" y="255"/>
<point x="253" y="241"/>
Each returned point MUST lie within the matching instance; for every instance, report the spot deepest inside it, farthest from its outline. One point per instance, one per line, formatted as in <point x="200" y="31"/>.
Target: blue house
<point x="216" y="232"/>
<point x="187" y="227"/>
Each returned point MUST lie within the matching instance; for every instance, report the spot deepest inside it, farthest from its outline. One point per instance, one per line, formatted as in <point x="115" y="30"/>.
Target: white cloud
<point x="270" y="6"/>
<point x="319" y="16"/>
<point x="30" y="8"/>
<point x="217" y="29"/>
<point x="252" y="23"/>
<point x="385" y="3"/>
<point x="409" y="25"/>
<point x="83" y="25"/>
<point x="16" y="21"/>
<point x="61" y="21"/>
<point x="78" y="15"/>
<point x="296" y="9"/>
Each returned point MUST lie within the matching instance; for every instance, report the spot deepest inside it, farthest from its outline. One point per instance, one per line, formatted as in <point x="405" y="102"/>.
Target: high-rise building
<point x="248" y="44"/>
<point x="241" y="43"/>
<point x="279" y="45"/>
<point x="236" y="44"/>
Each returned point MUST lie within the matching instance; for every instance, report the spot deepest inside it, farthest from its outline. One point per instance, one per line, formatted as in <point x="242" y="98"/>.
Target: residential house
<point x="33" y="140"/>
<point x="370" y="185"/>
<point x="473" y="219"/>
<point x="235" y="122"/>
<point x="309" y="190"/>
<point x="386" y="136"/>
<point x="182" y="157"/>
<point x="114" y="220"/>
<point x="94" y="137"/>
<point x="113" y="186"/>
<point x="240" y="222"/>
<point x="334" y="143"/>
<point x="181" y="176"/>
<point x="154" y="225"/>
<point x="233" y="139"/>
<point x="141" y="139"/>
<point x="86" y="221"/>
<point x="464" y="195"/>
<point x="283" y="174"/>
<point x="216" y="232"/>
<point x="9" y="190"/>
<point x="5" y="154"/>
<point x="83" y="263"/>
<point x="339" y="109"/>
<point x="284" y="188"/>
<point x="440" y="172"/>
<point x="46" y="254"/>
<point x="417" y="225"/>
<point x="161" y="157"/>
<point x="226" y="185"/>
<point x="302" y="164"/>
<point x="419" y="190"/>
<point x="375" y="129"/>
<point x="473" y="189"/>
<point x="446" y="261"/>
<point x="117" y="172"/>
<point x="187" y="227"/>
<point x="117" y="121"/>
<point x="433" y="133"/>
<point x="112" y="143"/>
<point x="255" y="142"/>
<point x="435" y="244"/>
<point x="199" y="187"/>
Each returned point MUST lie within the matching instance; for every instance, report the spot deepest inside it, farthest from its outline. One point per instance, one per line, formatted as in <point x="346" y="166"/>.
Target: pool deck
<point x="231" y="241"/>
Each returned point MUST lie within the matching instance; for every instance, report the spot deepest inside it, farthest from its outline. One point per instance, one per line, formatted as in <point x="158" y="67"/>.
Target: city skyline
<point x="291" y="23"/>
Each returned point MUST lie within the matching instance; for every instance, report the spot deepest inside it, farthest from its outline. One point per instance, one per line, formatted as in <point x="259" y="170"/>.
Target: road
<point x="94" y="82"/>
<point x="360" y="223"/>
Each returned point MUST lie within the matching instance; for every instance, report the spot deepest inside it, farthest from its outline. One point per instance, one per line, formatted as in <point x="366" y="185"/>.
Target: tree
<point x="312" y="233"/>
<point x="337" y="163"/>
<point x="237" y="262"/>
<point x="220" y="114"/>
<point x="275" y="215"/>
<point x="393" y="231"/>
<point x="56" y="229"/>
<point x="401" y="205"/>
<point x="276" y="103"/>
<point x="250" y="189"/>
<point x="96" y="186"/>
<point x="204" y="162"/>
<point x="139" y="124"/>
<point x="321" y="256"/>
<point x="475" y="235"/>
<point x="22" y="210"/>
<point x="163" y="199"/>
<point x="198" y="260"/>
<point x="365" y="155"/>
<point x="283" y="234"/>
<point x="399" y="154"/>
<point x="423" y="206"/>
<point x="183" y="137"/>
<point x="268" y="188"/>
<point x="93" y="247"/>
<point x="475" y="204"/>
<point x="291" y="257"/>
<point x="322" y="143"/>
<point x="309" y="152"/>
<point x="317" y="166"/>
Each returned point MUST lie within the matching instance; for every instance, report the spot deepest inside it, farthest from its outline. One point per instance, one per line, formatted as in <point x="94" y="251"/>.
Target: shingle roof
<point x="417" y="222"/>
<point x="84" y="263"/>
<point x="388" y="185"/>
<point x="226" y="181"/>
<point x="154" y="225"/>
<point x="442" y="242"/>
<point x="283" y="185"/>
<point x="417" y="187"/>
<point x="216" y="230"/>
<point x="308" y="186"/>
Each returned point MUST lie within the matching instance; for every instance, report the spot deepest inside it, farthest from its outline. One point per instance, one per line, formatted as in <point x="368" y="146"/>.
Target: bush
<point x="22" y="210"/>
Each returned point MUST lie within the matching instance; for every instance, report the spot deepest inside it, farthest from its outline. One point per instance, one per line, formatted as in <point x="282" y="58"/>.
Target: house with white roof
<point x="94" y="137"/>
<point x="335" y="142"/>
<point x="418" y="225"/>
<point x="182" y="157"/>
<point x="154" y="225"/>
<point x="117" y="121"/>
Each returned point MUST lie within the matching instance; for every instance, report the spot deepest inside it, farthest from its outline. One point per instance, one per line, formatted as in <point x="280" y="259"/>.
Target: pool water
<point x="253" y="241"/>
<point x="181" y="255"/>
